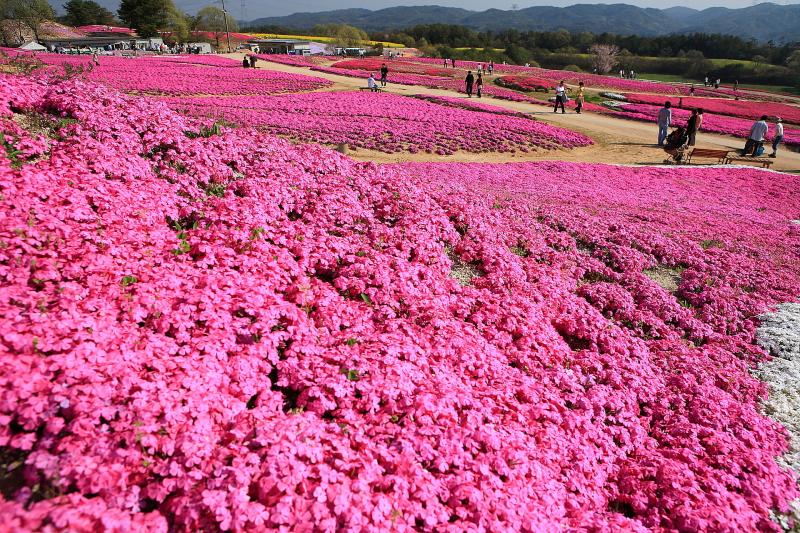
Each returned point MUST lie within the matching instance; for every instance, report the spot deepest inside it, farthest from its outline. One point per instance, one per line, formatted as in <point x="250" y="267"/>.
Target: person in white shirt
<point x="778" y="137"/>
<point x="561" y="97"/>
<point x="371" y="84"/>
<point x="758" y="131"/>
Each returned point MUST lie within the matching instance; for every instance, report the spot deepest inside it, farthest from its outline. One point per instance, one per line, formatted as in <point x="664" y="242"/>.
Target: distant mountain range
<point x="763" y="22"/>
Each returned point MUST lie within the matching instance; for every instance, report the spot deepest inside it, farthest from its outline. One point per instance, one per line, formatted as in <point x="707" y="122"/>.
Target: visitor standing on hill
<point x="736" y="85"/>
<point x="95" y="59"/>
<point x="664" y="122"/>
<point x="384" y="75"/>
<point x="470" y="82"/>
<point x="716" y="83"/>
<point x="561" y="97"/>
<point x="253" y="61"/>
<point x="691" y="90"/>
<point x="755" y="140"/>
<point x="453" y="62"/>
<point x="579" y="97"/>
<point x="693" y="126"/>
<point x="491" y="67"/>
<point x="778" y="137"/>
<point x="479" y="84"/>
<point x="705" y="82"/>
<point x="245" y="62"/>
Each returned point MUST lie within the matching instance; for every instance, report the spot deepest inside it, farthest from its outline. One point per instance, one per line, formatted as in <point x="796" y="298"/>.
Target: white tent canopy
<point x="33" y="46"/>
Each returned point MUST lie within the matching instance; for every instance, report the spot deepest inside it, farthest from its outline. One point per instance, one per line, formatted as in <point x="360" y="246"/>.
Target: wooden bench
<point x="763" y="161"/>
<point x="720" y="155"/>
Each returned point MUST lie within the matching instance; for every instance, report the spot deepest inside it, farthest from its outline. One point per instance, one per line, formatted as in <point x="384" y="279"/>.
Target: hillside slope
<point x="763" y="22"/>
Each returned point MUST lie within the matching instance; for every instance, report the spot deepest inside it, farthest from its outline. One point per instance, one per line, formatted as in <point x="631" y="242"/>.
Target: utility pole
<point x="227" y="32"/>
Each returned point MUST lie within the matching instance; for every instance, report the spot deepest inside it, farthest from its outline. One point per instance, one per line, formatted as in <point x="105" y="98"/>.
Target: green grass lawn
<point x="682" y="79"/>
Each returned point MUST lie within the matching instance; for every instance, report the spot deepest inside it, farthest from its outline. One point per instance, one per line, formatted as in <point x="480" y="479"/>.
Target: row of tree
<point x="23" y="15"/>
<point x="563" y="41"/>
<point x="147" y="17"/>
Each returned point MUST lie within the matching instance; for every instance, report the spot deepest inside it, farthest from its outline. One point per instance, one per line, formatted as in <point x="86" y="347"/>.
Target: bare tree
<point x="604" y="57"/>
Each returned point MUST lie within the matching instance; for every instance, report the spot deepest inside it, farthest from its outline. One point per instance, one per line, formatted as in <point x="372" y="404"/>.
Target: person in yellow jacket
<point x="579" y="98"/>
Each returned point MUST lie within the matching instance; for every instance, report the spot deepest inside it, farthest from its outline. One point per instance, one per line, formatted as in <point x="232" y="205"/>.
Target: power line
<point x="227" y="31"/>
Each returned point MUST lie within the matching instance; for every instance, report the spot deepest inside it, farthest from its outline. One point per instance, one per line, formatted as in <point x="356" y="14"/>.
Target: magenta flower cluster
<point x="296" y="61"/>
<point x="722" y="106"/>
<point x="455" y="84"/>
<point x="188" y="75"/>
<point x="218" y="330"/>
<point x="538" y="75"/>
<point x="385" y="122"/>
<point x="526" y="83"/>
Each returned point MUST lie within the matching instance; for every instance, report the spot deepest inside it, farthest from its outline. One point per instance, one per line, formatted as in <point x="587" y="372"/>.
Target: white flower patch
<point x="780" y="335"/>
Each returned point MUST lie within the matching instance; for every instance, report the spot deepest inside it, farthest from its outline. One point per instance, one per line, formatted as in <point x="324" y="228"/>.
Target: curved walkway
<point x="617" y="140"/>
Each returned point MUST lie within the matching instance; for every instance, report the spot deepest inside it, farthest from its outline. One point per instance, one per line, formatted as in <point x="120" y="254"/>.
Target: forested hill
<point x="764" y="22"/>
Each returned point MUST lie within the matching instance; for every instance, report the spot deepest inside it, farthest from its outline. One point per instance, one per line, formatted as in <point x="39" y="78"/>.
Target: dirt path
<point x="617" y="140"/>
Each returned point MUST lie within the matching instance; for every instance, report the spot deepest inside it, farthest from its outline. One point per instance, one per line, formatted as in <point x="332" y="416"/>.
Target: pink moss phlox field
<point x="192" y="75"/>
<point x="434" y="82"/>
<point x="737" y="127"/>
<point x="466" y="103"/>
<point x="295" y="61"/>
<point x="219" y="330"/>
<point x="385" y="122"/>
<point x="198" y="59"/>
<point x="405" y="66"/>
<point x="572" y="78"/>
<point x="719" y="106"/>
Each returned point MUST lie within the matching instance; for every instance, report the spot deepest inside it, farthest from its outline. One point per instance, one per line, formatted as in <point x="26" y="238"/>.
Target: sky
<point x="267" y="8"/>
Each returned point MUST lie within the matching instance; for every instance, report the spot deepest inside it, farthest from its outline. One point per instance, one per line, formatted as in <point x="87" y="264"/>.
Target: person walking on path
<point x="384" y="75"/>
<point x="755" y="140"/>
<point x="373" y="87"/>
<point x="470" y="82"/>
<point x="491" y="67"/>
<point x="579" y="97"/>
<point x="716" y="83"/>
<point x="693" y="126"/>
<point x="453" y="62"/>
<point x="561" y="97"/>
<point x="736" y="85"/>
<point x="705" y="82"/>
<point x="95" y="59"/>
<point x="691" y="90"/>
<point x="479" y="84"/>
<point x="253" y="61"/>
<point x="778" y="137"/>
<point x="664" y="122"/>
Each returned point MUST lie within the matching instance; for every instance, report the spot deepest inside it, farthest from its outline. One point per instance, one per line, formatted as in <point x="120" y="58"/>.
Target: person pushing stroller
<point x="676" y="144"/>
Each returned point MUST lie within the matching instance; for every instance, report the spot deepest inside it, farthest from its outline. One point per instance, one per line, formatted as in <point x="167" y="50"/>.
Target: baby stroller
<point x="676" y="145"/>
